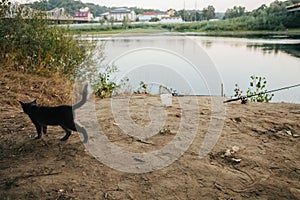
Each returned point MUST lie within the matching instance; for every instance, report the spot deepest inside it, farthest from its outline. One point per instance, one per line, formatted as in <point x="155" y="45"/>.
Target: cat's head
<point x="26" y="106"/>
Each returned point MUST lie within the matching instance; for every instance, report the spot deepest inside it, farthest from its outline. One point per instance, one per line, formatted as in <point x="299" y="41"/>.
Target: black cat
<point x="41" y="116"/>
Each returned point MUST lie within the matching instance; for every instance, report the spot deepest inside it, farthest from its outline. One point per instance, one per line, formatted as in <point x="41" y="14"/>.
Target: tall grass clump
<point x="31" y="44"/>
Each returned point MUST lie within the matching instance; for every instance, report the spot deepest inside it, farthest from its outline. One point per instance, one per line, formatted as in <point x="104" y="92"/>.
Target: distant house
<point x="84" y="14"/>
<point x="119" y="14"/>
<point x="147" y="16"/>
<point x="171" y="20"/>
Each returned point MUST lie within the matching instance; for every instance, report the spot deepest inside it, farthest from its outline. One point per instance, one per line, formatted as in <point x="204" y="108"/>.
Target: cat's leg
<point x="44" y="129"/>
<point x="68" y="133"/>
<point x="38" y="130"/>
<point x="82" y="130"/>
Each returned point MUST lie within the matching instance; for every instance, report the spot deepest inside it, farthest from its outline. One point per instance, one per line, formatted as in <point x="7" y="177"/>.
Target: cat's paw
<point x="37" y="137"/>
<point x="64" y="139"/>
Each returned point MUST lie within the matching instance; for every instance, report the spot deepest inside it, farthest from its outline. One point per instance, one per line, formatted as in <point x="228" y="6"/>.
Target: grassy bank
<point x="86" y="31"/>
<point x="197" y="28"/>
<point x="293" y="33"/>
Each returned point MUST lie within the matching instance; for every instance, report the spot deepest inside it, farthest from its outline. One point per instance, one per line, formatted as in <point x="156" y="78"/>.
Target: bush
<point x="29" y="43"/>
<point x="257" y="90"/>
<point x="105" y="85"/>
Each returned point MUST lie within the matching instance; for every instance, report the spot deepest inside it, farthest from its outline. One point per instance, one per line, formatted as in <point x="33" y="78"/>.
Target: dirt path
<point x="256" y="157"/>
<point x="262" y="159"/>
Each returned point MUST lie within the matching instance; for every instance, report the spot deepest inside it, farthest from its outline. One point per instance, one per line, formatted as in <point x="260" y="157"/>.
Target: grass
<point x="183" y="28"/>
<point x="116" y="29"/>
<point x="134" y="31"/>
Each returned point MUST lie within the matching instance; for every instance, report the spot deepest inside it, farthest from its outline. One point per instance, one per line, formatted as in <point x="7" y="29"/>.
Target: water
<point x="276" y="59"/>
<point x="198" y="65"/>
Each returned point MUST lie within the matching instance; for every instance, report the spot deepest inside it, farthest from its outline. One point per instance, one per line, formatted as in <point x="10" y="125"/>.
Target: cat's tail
<point x="83" y="99"/>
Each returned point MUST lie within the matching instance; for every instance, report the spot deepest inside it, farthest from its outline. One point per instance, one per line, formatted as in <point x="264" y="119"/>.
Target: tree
<point x="139" y="11"/>
<point x="274" y="17"/>
<point x="125" y="22"/>
<point x="112" y="21"/>
<point x="102" y="21"/>
<point x="209" y="13"/>
<point x="236" y="11"/>
<point x="198" y="16"/>
<point x="71" y="6"/>
<point x="259" y="11"/>
<point x="183" y="14"/>
<point x="154" y="19"/>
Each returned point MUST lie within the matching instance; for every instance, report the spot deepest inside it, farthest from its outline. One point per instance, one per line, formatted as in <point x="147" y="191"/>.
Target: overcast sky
<point x="220" y="5"/>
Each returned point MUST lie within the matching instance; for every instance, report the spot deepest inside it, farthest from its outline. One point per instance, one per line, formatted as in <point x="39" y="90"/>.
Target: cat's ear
<point x="34" y="101"/>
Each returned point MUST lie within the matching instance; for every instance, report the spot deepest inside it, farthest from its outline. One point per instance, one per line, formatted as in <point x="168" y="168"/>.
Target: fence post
<point x="222" y="89"/>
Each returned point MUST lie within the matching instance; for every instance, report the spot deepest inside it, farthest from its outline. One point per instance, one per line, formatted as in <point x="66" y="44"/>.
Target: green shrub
<point x="29" y="43"/>
<point x="105" y="86"/>
<point x="257" y="90"/>
<point x="143" y="88"/>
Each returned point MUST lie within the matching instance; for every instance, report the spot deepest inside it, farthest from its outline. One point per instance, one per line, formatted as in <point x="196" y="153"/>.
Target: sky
<point x="220" y="5"/>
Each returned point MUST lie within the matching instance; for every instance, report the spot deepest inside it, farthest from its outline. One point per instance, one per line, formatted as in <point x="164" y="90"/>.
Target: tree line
<point x="272" y="17"/>
<point x="71" y="6"/>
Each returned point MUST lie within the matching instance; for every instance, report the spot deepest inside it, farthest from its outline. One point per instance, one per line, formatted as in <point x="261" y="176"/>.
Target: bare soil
<point x="262" y="138"/>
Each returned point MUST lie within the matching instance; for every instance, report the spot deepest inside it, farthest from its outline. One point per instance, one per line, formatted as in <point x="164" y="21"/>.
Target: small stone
<point x="296" y="135"/>
<point x="237" y="160"/>
<point x="289" y="132"/>
<point x="227" y="153"/>
<point x="178" y="115"/>
<point x="265" y="140"/>
<point x="238" y="120"/>
<point x="235" y="148"/>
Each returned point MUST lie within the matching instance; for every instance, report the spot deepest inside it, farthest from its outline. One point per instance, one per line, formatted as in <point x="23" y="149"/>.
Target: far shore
<point x="293" y="33"/>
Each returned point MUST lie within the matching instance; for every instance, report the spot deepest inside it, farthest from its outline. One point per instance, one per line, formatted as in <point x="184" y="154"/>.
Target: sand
<point x="256" y="156"/>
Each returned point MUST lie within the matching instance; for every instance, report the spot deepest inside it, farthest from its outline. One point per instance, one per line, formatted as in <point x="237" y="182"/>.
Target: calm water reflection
<point x="237" y="59"/>
<point x="175" y="61"/>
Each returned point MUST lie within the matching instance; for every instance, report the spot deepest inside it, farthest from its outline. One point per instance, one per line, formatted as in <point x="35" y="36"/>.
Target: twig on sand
<point x="143" y="141"/>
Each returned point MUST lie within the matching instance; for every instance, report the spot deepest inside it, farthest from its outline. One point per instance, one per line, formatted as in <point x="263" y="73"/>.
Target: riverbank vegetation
<point x="275" y="17"/>
<point x="265" y="18"/>
<point x="32" y="46"/>
<point x="257" y="92"/>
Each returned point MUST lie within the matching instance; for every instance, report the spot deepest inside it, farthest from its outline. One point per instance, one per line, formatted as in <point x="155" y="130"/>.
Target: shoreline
<point x="233" y="34"/>
<point x="94" y="28"/>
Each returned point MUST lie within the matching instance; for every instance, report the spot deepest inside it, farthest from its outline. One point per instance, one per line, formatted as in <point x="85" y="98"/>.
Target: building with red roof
<point x="84" y="14"/>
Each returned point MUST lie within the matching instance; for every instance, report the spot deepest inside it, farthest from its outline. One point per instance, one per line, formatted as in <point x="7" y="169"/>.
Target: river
<point x="199" y="65"/>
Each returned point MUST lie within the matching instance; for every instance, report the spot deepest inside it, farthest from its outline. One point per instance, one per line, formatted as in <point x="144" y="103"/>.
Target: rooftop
<point x="120" y="10"/>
